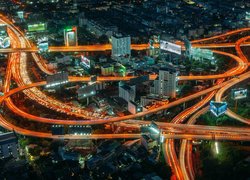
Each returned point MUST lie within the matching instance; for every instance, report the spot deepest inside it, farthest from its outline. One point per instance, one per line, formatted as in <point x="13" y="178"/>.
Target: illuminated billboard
<point x="171" y="47"/>
<point x="37" y="27"/>
<point x="70" y="36"/>
<point x="85" y="62"/>
<point x="218" y="108"/>
<point x="239" y="93"/>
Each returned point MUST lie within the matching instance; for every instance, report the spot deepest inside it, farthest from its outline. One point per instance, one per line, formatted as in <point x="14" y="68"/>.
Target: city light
<point x="113" y="105"/>
<point x="216" y="147"/>
<point x="56" y="84"/>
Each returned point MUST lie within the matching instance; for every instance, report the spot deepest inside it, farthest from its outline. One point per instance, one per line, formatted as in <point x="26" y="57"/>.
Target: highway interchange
<point x="182" y="166"/>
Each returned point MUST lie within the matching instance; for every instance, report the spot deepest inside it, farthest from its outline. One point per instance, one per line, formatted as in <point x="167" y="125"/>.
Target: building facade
<point x="121" y="45"/>
<point x="165" y="84"/>
<point x="127" y="92"/>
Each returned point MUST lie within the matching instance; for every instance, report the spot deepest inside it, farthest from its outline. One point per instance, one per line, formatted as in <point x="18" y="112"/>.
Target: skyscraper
<point x="121" y="45"/>
<point x="127" y="92"/>
<point x="70" y="36"/>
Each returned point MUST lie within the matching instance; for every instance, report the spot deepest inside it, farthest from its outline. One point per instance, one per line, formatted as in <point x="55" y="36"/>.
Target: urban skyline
<point x="96" y="89"/>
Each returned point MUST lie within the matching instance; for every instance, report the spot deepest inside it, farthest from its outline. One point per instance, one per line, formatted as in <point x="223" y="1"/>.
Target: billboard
<point x="171" y="47"/>
<point x="239" y="93"/>
<point x="85" y="62"/>
<point x="218" y="108"/>
<point x="37" y="27"/>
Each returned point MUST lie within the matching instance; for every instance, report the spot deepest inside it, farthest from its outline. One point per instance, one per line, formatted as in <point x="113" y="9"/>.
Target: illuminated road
<point x="83" y="48"/>
<point x="219" y="136"/>
<point x="186" y="146"/>
<point x="74" y="79"/>
<point x="17" y="65"/>
<point x="169" y="152"/>
<point x="21" y="77"/>
<point x="237" y="31"/>
<point x="234" y="82"/>
<point x="180" y="170"/>
<point x="112" y="119"/>
<point x="103" y="121"/>
<point x="185" y="156"/>
<point x="108" y="47"/>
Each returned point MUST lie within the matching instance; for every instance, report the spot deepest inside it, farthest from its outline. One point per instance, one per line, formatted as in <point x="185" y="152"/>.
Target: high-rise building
<point x="70" y="36"/>
<point x="8" y="145"/>
<point x="127" y="92"/>
<point x="165" y="84"/>
<point x="121" y="45"/>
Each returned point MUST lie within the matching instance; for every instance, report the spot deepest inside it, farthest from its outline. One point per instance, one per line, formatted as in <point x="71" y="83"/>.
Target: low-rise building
<point x="8" y="145"/>
<point x="107" y="70"/>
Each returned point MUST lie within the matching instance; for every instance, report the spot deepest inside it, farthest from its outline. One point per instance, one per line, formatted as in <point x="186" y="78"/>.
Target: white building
<point x="121" y="45"/>
<point x="8" y="145"/>
<point x="165" y="84"/>
<point x="127" y="92"/>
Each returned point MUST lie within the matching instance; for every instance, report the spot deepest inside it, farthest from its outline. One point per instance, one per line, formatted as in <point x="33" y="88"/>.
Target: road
<point x="52" y="104"/>
<point x="108" y="47"/>
<point x="56" y="105"/>
<point x="17" y="66"/>
<point x="169" y="152"/>
<point x="115" y="119"/>
<point x="220" y="93"/>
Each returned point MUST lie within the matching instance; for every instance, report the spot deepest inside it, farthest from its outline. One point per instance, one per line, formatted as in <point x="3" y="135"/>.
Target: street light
<point x="216" y="147"/>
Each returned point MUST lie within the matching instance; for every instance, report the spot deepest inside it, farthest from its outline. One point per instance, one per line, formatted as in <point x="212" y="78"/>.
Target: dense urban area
<point x="124" y="89"/>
